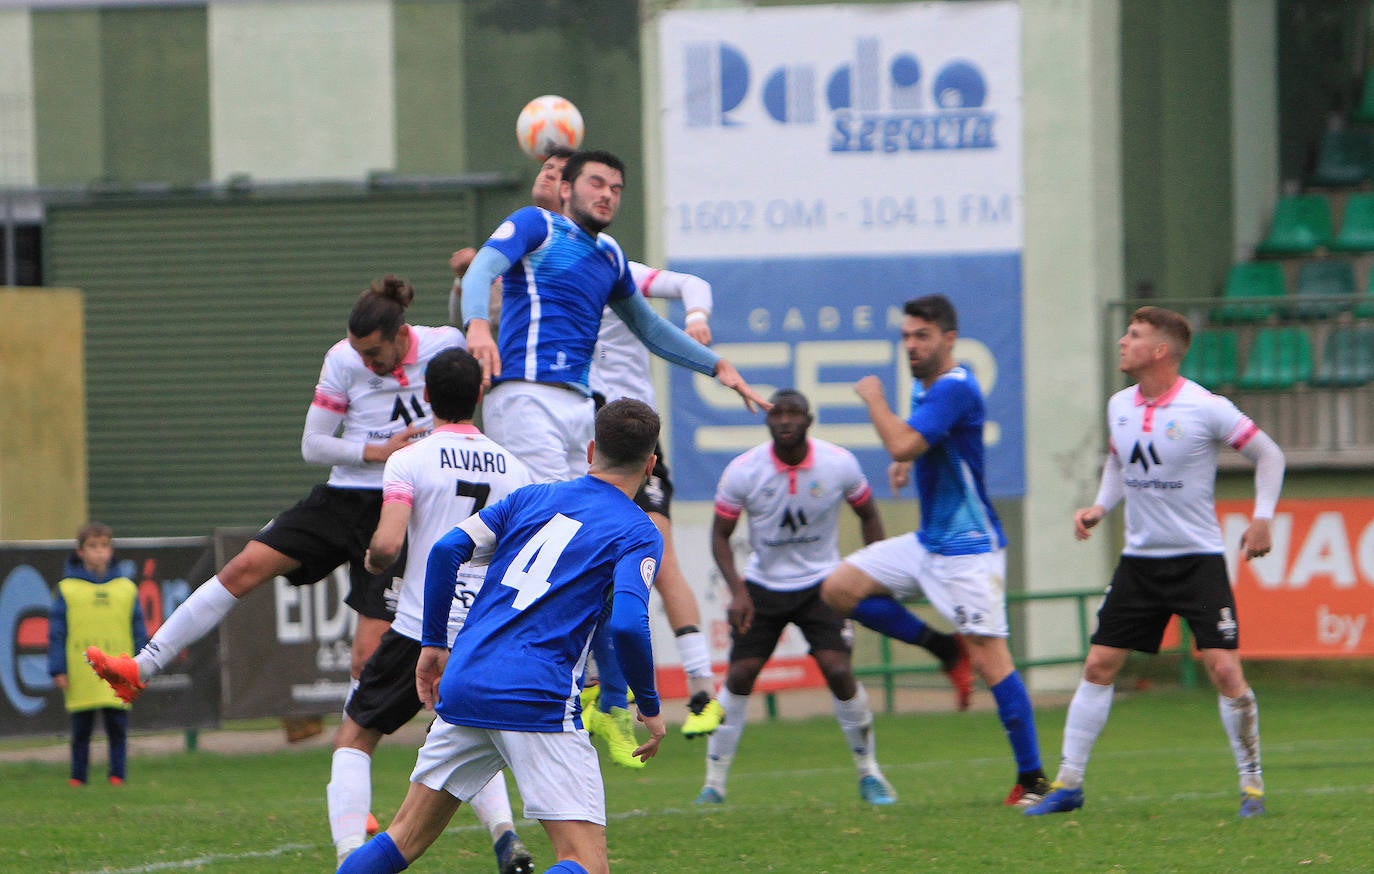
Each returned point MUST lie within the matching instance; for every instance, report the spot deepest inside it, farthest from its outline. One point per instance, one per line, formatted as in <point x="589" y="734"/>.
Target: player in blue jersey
<point x="957" y="559"/>
<point x="566" y="556"/>
<point x="558" y="272"/>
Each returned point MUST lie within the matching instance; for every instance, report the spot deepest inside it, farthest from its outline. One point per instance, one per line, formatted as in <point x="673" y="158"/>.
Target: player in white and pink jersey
<point x="371" y="393"/>
<point x="620" y="366"/>
<point x="1166" y="432"/>
<point x="792" y="487"/>
<point x="428" y="487"/>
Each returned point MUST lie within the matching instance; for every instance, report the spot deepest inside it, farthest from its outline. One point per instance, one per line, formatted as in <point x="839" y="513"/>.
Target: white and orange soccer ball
<point x="547" y="122"/>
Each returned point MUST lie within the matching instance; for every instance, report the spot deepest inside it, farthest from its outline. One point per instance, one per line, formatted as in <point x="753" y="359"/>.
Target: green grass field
<point x="1161" y="797"/>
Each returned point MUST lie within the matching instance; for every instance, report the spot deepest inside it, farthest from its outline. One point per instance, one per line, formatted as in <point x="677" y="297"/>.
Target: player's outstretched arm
<point x="728" y="376"/>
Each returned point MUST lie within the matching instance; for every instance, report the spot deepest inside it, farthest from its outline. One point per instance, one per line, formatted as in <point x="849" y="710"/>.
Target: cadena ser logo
<point x="877" y="101"/>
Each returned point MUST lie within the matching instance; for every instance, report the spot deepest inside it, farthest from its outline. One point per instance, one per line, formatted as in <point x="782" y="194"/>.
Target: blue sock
<point x="1014" y="709"/>
<point x="608" y="666"/>
<point x="885" y="616"/>
<point x="567" y="866"/>
<point x="377" y="856"/>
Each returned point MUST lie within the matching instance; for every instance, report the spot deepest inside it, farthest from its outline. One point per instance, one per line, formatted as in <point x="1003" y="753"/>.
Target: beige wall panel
<point x="17" y="164"/>
<point x="1072" y="266"/>
<point x="301" y="90"/>
<point x="42" y="414"/>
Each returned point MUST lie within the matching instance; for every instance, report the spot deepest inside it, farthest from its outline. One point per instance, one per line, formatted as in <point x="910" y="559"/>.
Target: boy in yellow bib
<point x="93" y="606"/>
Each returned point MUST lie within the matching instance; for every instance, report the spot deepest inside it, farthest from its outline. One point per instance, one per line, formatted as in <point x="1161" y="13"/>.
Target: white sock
<point x="856" y="721"/>
<point x="196" y="617"/>
<point x="349" y="796"/>
<point x="1240" y="718"/>
<point x="1088" y="711"/>
<point x="721" y="746"/>
<point x="695" y="654"/>
<point x="492" y="806"/>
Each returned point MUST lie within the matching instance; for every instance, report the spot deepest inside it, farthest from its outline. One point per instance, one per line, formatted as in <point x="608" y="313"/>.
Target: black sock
<point x="940" y="645"/>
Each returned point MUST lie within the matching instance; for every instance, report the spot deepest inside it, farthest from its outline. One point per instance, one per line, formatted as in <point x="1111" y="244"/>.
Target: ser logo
<point x="876" y="102"/>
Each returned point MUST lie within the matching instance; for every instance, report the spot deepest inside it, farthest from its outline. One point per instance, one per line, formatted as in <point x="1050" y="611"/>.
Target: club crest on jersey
<point x="1173" y="430"/>
<point x="647" y="568"/>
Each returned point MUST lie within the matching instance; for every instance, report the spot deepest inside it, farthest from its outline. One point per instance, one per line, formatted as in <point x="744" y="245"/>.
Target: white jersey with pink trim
<point x="1167" y="452"/>
<point x="620" y="364"/>
<point x="374" y="407"/>
<point x="445" y="478"/>
<point x="794" y="511"/>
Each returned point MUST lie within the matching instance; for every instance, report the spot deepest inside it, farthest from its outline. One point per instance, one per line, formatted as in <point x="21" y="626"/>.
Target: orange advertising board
<point x="1313" y="595"/>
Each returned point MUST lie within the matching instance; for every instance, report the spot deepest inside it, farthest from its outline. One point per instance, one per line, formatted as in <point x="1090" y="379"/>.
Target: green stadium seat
<point x="1333" y="278"/>
<point x="1343" y="158"/>
<point x="1279" y="358"/>
<point x="1212" y="361"/>
<point x="1301" y="226"/>
<point x="1357" y="225"/>
<point x="1365" y="111"/>
<point x="1252" y="279"/>
<point x="1347" y="358"/>
<point x="1365" y="308"/>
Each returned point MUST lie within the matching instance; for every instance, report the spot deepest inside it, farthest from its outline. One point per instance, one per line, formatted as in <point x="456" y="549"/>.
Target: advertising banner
<point x="286" y="649"/>
<point x="821" y="166"/>
<point x="1313" y="595"/>
<point x="165" y="570"/>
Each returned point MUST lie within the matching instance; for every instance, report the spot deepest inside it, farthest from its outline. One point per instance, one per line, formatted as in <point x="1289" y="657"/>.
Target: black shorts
<point x="330" y="527"/>
<point x="822" y="627"/>
<point x="385" y="698"/>
<point x="656" y="494"/>
<point x="1146" y="592"/>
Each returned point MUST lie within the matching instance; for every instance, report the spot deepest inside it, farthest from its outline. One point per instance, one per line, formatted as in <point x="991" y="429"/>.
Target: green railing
<point x="889" y="672"/>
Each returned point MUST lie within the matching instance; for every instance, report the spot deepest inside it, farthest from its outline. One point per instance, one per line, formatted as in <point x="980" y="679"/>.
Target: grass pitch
<point x="1162" y="797"/>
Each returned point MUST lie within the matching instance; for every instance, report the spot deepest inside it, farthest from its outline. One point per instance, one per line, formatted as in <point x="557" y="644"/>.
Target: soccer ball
<point x="546" y="122"/>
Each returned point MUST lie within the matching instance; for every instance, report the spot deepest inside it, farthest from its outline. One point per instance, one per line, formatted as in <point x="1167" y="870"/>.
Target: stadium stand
<point x="1347" y="358"/>
<point x="1301" y="226"/>
<point x="1279" y="358"/>
<point x="1253" y="279"/>
<point x="1357" y="224"/>
<point x="1327" y="278"/>
<point x="1343" y="158"/>
<point x="1212" y="360"/>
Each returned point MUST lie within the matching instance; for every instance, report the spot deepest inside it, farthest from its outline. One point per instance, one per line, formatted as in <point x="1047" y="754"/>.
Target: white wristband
<point x="694" y="316"/>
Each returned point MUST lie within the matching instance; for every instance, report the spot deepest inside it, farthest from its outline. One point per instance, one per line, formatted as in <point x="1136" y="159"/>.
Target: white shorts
<point x="968" y="590"/>
<point x="558" y="774"/>
<point x="546" y="427"/>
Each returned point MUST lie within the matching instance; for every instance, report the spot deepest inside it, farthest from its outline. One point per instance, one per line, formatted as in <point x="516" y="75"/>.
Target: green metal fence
<point x="1085" y="607"/>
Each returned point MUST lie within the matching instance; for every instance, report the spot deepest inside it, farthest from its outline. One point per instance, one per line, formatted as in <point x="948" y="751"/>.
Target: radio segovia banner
<point x="821" y="166"/>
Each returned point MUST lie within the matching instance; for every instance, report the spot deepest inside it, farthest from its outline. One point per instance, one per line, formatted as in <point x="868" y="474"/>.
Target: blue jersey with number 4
<point x="561" y="550"/>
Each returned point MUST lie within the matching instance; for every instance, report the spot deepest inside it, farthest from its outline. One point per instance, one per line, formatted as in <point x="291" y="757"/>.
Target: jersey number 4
<point x="529" y="572"/>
